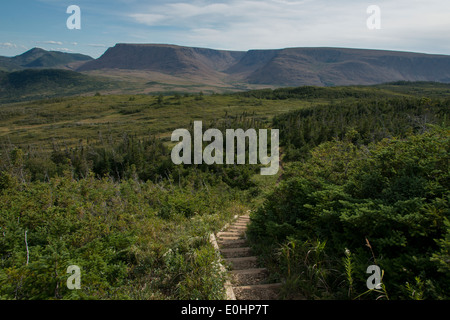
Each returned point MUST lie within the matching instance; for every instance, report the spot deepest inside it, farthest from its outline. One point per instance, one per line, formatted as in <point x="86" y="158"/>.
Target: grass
<point x="68" y="120"/>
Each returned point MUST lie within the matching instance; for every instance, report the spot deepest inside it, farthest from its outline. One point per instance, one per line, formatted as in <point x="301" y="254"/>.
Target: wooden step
<point x="235" y="252"/>
<point x="229" y="234"/>
<point x="232" y="243"/>
<point x="257" y="291"/>
<point x="248" y="276"/>
<point x="237" y="228"/>
<point x="229" y="238"/>
<point x="247" y="279"/>
<point x="243" y="262"/>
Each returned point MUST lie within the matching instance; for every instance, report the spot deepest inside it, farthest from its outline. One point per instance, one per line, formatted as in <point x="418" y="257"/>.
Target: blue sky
<point x="406" y="25"/>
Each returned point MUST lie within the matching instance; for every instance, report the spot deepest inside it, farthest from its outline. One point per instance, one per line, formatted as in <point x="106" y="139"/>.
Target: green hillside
<point x="32" y="84"/>
<point x="89" y="181"/>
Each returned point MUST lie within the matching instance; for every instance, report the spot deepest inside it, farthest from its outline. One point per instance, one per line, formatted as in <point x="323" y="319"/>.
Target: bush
<point x="112" y="231"/>
<point x="392" y="195"/>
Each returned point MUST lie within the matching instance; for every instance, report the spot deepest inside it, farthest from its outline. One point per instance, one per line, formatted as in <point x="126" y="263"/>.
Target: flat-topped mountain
<point x="338" y="66"/>
<point x="279" y="67"/>
<point x="169" y="59"/>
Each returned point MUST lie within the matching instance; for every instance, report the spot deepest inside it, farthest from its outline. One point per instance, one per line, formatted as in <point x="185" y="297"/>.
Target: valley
<point x="87" y="179"/>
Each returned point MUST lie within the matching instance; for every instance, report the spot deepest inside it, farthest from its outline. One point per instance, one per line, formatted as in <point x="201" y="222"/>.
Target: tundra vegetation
<point x="363" y="180"/>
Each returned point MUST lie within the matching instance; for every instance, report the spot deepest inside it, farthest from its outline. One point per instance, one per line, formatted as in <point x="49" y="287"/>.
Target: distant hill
<point x="36" y="84"/>
<point x="280" y="67"/>
<point x="40" y="58"/>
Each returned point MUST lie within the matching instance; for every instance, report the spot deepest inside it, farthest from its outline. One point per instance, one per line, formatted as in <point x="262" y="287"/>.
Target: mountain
<point x="278" y="67"/>
<point x="165" y="59"/>
<point x="338" y="66"/>
<point x="150" y="68"/>
<point x="40" y="58"/>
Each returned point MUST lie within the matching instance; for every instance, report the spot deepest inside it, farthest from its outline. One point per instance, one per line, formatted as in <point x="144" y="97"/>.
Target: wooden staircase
<point x="248" y="280"/>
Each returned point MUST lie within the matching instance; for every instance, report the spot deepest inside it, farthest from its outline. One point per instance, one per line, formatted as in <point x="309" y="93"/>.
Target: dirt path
<point x="248" y="279"/>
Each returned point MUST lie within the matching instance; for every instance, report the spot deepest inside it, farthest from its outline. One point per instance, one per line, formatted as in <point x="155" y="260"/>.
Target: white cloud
<point x="249" y="24"/>
<point x="63" y="49"/>
<point x="148" y="18"/>
<point x="8" y="45"/>
<point x="59" y="43"/>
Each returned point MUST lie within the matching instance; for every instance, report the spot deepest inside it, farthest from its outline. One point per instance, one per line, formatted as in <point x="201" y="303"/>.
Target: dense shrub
<point x="131" y="239"/>
<point x="372" y="120"/>
<point x="386" y="203"/>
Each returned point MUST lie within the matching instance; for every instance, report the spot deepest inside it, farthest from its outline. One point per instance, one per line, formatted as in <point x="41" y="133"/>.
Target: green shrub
<point x="393" y="194"/>
<point x="113" y="232"/>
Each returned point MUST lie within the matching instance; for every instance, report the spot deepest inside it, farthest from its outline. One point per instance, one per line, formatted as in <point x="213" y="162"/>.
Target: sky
<point x="404" y="25"/>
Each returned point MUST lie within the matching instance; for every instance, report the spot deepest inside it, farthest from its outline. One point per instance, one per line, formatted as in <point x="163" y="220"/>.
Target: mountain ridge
<point x="296" y="66"/>
<point x="162" y="67"/>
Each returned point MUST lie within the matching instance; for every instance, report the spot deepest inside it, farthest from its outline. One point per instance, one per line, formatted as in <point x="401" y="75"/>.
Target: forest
<point x="364" y="180"/>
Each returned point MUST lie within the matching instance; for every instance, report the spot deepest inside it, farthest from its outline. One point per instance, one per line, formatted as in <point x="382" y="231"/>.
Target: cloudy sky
<point x="406" y="25"/>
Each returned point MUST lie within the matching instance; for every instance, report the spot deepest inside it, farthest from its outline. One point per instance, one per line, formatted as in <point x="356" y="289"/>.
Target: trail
<point x="248" y="279"/>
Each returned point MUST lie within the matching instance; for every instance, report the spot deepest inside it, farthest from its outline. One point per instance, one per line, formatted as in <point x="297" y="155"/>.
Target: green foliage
<point x="32" y="84"/>
<point x="394" y="193"/>
<point x="88" y="185"/>
<point x="367" y="121"/>
<point x="308" y="269"/>
<point x="443" y="255"/>
<point x="349" y="267"/>
<point x="201" y="277"/>
<point x="310" y="92"/>
<point x="416" y="291"/>
<point x="381" y="91"/>
<point x="115" y="233"/>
